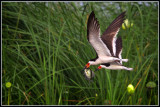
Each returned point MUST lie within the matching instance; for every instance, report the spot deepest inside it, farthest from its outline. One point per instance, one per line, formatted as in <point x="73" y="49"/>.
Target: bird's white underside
<point x="103" y="59"/>
<point x="114" y="66"/>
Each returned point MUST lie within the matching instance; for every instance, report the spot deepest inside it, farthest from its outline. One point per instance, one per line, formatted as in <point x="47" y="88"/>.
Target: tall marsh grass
<point x="45" y="47"/>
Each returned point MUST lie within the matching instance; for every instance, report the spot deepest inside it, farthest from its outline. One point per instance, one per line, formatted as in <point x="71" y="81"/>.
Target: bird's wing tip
<point x="92" y="13"/>
<point x="124" y="12"/>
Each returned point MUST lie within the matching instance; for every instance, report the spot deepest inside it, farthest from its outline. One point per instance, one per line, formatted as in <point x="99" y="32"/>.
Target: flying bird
<point x="117" y="65"/>
<point x="103" y="45"/>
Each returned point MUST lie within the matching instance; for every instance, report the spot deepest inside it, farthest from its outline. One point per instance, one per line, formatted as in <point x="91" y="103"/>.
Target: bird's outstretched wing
<point x="109" y="36"/>
<point x="93" y="36"/>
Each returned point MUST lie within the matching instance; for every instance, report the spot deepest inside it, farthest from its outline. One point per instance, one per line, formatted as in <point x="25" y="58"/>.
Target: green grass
<point x="45" y="47"/>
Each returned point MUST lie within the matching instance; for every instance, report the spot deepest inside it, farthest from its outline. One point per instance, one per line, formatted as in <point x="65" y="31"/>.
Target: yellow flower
<point x="126" y="24"/>
<point x="131" y="24"/>
<point x="130" y="89"/>
<point x="8" y="84"/>
<point x="96" y="94"/>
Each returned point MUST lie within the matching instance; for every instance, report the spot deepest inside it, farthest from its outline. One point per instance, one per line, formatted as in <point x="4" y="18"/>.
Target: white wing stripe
<point x="114" y="43"/>
<point x="120" y="56"/>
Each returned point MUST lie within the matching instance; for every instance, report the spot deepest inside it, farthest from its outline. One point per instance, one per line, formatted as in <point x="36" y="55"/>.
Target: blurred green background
<point x="45" y="47"/>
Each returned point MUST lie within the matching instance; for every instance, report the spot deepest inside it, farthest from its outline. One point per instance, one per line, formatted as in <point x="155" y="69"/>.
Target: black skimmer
<point x="104" y="45"/>
<point x="117" y="65"/>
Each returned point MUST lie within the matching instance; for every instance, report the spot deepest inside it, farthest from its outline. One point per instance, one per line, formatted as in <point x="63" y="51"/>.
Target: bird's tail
<point x="124" y="60"/>
<point x="129" y="69"/>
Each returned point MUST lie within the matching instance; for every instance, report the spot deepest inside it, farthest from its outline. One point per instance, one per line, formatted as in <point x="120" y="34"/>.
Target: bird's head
<point x="89" y="63"/>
